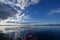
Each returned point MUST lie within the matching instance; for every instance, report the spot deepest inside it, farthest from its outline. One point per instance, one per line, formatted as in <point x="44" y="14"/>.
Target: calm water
<point x="42" y="29"/>
<point x="44" y="32"/>
<point x="41" y="32"/>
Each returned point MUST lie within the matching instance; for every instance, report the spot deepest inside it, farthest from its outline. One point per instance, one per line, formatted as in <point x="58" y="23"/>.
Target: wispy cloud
<point x="25" y="3"/>
<point x="6" y="12"/>
<point x="19" y="7"/>
<point x="56" y="11"/>
<point x="18" y="18"/>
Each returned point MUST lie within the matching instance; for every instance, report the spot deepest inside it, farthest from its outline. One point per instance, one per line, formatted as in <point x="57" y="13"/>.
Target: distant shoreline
<point x="34" y="25"/>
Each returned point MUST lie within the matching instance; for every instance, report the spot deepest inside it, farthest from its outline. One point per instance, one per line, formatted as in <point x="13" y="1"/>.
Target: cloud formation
<point x="25" y="3"/>
<point x="18" y="18"/>
<point x="6" y="12"/>
<point x="55" y="11"/>
<point x="11" y="10"/>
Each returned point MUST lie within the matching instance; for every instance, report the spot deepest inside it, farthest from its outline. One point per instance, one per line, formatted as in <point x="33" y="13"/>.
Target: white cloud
<point x="25" y="3"/>
<point x="18" y="18"/>
<point x="34" y="1"/>
<point x="55" y="11"/>
<point x="22" y="4"/>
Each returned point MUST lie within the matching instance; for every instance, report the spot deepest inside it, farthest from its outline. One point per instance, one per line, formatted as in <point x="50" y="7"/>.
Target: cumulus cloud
<point x="11" y="10"/>
<point x="6" y="12"/>
<point x="55" y="11"/>
<point x="24" y="3"/>
<point x="18" y="18"/>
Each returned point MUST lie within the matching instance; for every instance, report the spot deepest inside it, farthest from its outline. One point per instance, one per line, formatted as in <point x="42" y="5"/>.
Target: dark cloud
<point x="6" y="11"/>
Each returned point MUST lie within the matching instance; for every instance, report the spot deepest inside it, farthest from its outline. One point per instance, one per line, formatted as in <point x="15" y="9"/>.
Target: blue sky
<point x="44" y="11"/>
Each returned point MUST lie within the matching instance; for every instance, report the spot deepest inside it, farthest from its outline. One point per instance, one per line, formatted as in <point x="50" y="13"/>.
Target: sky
<point x="46" y="11"/>
<point x="43" y="11"/>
